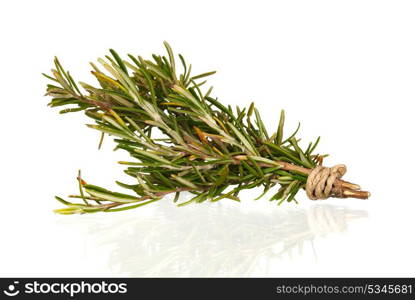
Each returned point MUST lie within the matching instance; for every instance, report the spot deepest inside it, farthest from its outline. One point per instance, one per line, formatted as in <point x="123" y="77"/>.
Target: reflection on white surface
<point x="214" y="240"/>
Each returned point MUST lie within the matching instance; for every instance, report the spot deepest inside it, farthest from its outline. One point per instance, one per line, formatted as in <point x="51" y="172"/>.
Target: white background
<point x="345" y="69"/>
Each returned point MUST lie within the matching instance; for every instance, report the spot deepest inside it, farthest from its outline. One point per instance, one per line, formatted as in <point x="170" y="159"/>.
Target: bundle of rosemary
<point x="208" y="149"/>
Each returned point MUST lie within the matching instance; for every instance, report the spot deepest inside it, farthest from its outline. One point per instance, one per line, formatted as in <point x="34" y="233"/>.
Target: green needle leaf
<point x="119" y="61"/>
<point x="280" y="128"/>
<point x="184" y="182"/>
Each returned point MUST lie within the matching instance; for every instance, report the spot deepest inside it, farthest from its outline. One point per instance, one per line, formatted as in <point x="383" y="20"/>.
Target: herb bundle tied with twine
<point x="204" y="147"/>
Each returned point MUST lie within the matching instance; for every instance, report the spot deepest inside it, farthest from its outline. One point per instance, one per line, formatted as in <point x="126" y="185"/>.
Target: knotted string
<point x="321" y="182"/>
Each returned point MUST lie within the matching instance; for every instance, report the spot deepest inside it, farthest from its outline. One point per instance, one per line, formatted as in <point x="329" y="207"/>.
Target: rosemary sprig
<point x="209" y="149"/>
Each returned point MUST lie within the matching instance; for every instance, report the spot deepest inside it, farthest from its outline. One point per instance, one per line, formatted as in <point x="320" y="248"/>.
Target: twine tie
<point x="322" y="182"/>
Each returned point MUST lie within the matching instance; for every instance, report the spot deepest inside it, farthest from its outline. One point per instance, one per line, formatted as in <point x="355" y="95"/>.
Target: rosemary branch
<point x="209" y="149"/>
